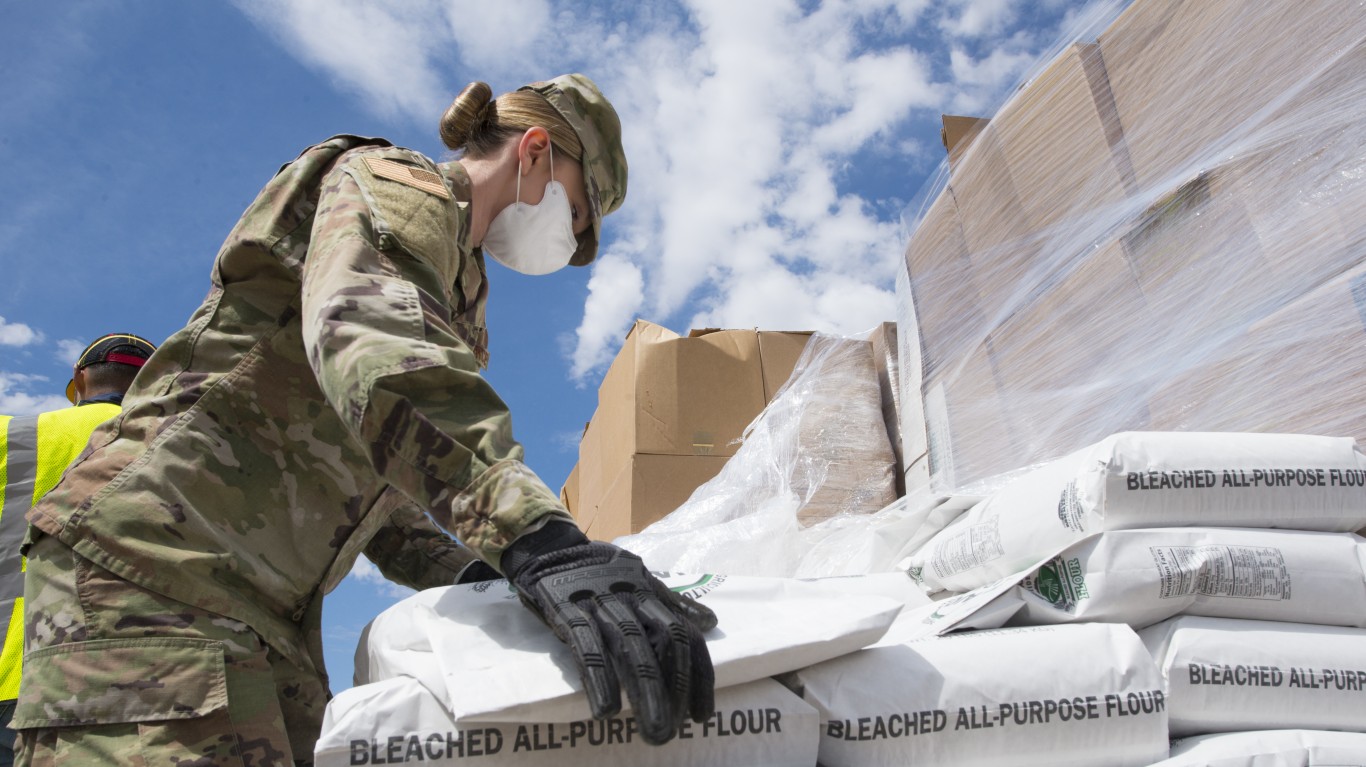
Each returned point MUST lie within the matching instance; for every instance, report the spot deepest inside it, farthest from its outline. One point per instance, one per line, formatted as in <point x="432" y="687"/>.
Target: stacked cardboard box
<point x="1116" y="248"/>
<point x="671" y="410"/>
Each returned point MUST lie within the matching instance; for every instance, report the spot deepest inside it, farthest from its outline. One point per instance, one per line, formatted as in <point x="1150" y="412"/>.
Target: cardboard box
<point x="942" y="297"/>
<point x="886" y="363"/>
<point x="1086" y="319"/>
<point x="569" y="492"/>
<point x="914" y="440"/>
<point x="844" y="462"/>
<point x="958" y="133"/>
<point x="1037" y="174"/>
<point x="1299" y="370"/>
<point x="1191" y="78"/>
<point x="1305" y="195"/>
<point x="967" y="425"/>
<point x="645" y="490"/>
<point x="1200" y="265"/>
<point x="669" y="395"/>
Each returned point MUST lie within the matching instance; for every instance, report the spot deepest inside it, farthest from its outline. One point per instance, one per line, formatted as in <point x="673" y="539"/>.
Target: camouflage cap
<point x="592" y="117"/>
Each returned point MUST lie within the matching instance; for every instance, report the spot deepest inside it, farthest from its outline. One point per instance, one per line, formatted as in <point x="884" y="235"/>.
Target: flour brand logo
<point x="1060" y="581"/>
<point x="697" y="588"/>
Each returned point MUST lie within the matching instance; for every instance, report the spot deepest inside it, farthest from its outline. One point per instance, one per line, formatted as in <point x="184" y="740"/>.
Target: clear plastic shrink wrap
<point x="807" y="492"/>
<point x="1163" y="228"/>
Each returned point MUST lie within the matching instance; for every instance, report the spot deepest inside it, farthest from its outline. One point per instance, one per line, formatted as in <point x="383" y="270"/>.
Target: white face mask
<point x="534" y="239"/>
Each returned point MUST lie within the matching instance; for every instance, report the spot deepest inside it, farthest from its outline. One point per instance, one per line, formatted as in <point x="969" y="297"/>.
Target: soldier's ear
<point x="533" y="147"/>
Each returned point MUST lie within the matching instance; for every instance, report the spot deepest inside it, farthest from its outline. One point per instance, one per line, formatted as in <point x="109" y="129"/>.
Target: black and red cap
<point x="122" y="348"/>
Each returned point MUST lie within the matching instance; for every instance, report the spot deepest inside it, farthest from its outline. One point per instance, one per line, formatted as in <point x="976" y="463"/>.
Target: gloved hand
<point x="625" y="627"/>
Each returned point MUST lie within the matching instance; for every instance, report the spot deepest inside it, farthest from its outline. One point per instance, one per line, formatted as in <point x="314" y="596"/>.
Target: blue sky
<point x="775" y="146"/>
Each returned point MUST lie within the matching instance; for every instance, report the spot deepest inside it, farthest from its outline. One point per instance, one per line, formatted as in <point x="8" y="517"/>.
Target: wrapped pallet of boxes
<point x="816" y="461"/>
<point x="1163" y="227"/>
<point x="670" y="412"/>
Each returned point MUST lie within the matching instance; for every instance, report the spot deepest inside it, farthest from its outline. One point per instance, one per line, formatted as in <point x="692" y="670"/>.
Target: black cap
<point x="121" y="348"/>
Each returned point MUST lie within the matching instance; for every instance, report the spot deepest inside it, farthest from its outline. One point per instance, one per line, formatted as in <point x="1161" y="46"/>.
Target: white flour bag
<point x="488" y="658"/>
<point x="1063" y="695"/>
<point x="1226" y="675"/>
<point x="1271" y="748"/>
<point x="398" y="721"/>
<point x="1141" y="577"/>
<point x="1150" y="479"/>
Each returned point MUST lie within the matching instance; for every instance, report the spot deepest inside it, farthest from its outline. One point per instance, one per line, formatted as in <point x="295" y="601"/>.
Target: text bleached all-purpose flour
<point x="1150" y="479"/>
<point x="1063" y="695"/>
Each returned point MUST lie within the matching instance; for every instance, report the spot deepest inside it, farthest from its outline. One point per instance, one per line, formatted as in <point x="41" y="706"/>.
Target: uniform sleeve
<point x="378" y="280"/>
<point x="411" y="550"/>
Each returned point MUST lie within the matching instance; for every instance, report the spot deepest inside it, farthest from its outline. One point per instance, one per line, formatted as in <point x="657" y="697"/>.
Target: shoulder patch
<point x="418" y="178"/>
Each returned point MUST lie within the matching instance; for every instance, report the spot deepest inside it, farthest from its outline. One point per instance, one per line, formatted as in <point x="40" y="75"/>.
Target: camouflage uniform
<point x="325" y="395"/>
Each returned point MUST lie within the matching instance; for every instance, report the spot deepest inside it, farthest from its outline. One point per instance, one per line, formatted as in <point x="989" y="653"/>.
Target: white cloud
<point x="69" y="350"/>
<point x="614" y="296"/>
<point x="17" y="334"/>
<point x="489" y="33"/>
<point x="15" y="399"/>
<point x="365" y="571"/>
<point x="382" y="50"/>
<point x="977" y="18"/>
<point x="979" y="82"/>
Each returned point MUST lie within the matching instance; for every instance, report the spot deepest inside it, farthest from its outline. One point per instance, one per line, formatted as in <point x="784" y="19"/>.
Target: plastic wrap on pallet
<point x="1162" y="228"/>
<point x="810" y="491"/>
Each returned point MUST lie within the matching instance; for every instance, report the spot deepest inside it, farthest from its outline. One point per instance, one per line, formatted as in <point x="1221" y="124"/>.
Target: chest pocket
<point x="413" y="213"/>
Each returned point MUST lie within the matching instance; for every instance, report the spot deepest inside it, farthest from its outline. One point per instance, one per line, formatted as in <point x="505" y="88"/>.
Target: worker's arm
<point x="411" y="550"/>
<point x="378" y="282"/>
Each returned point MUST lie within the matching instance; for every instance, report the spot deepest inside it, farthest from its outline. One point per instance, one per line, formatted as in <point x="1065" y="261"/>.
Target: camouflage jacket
<point x="330" y="379"/>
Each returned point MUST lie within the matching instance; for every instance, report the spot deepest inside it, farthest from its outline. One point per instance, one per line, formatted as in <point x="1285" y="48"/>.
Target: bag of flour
<point x="398" y="721"/>
<point x="1227" y="675"/>
<point x="488" y="658"/>
<point x="1062" y="695"/>
<point x="1141" y="577"/>
<point x="1271" y="748"/>
<point x="1151" y="479"/>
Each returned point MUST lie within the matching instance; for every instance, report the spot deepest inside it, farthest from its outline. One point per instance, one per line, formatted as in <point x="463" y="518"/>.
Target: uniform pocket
<point x="112" y="681"/>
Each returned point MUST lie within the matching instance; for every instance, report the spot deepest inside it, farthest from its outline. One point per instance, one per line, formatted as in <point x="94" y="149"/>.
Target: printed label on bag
<point x="971" y="547"/>
<point x="1242" y="572"/>
<point x="1070" y="511"/>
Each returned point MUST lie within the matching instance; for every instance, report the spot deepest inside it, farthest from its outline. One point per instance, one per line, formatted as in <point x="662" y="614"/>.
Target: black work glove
<point x="626" y="628"/>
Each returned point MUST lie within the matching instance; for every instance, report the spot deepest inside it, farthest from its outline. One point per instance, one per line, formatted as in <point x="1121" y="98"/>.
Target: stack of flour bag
<point x="1154" y="599"/>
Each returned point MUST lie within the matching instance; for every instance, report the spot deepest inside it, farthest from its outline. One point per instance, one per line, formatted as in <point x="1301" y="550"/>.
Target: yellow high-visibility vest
<point x="34" y="451"/>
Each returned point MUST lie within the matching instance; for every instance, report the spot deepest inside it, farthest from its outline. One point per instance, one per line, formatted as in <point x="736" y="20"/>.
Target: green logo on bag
<point x="699" y="587"/>
<point x="1060" y="581"/>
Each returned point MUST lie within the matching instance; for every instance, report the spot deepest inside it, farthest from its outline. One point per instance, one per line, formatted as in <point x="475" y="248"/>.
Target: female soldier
<point x="330" y="382"/>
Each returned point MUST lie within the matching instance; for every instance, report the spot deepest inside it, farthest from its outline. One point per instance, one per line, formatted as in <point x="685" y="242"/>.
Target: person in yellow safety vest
<point x="34" y="451"/>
